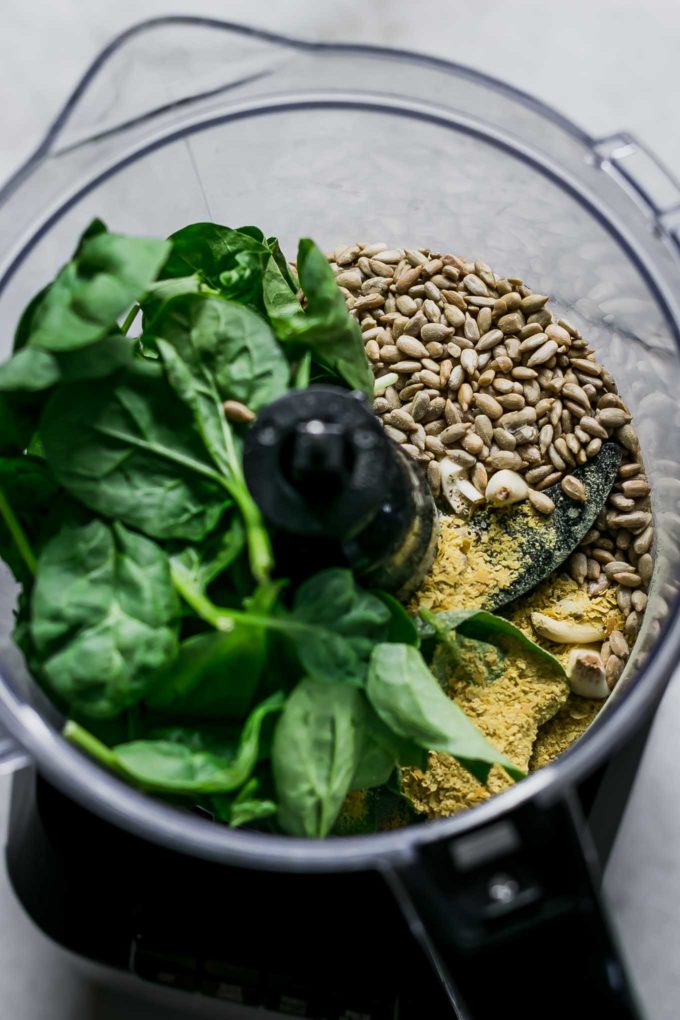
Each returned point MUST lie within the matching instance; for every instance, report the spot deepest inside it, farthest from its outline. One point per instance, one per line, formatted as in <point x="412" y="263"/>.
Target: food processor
<point x="183" y="119"/>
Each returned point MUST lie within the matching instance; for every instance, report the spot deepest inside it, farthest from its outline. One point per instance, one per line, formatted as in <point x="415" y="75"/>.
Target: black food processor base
<point x="328" y="947"/>
<point x="331" y="947"/>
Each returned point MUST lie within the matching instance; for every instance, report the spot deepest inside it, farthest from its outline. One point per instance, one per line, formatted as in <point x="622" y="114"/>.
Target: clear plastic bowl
<point x="185" y="119"/>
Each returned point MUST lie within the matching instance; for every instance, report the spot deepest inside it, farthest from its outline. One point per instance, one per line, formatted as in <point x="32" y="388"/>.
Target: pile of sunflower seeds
<point x="618" y="551"/>
<point x="474" y="375"/>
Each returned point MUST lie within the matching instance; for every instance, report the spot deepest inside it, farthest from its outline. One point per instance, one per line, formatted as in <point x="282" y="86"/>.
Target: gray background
<point x="608" y="64"/>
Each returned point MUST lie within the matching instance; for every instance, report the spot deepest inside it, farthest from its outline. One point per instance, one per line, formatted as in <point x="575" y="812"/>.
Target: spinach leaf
<point x="480" y="625"/>
<point x="280" y="298"/>
<point x="27" y="491"/>
<point x="195" y="388"/>
<point x="234" y="345"/>
<point x="283" y="264"/>
<point x="187" y="764"/>
<point x="162" y="291"/>
<point x="410" y="702"/>
<point x="333" y="624"/>
<point x="128" y="449"/>
<point x="204" y="562"/>
<point x="108" y="273"/>
<point x="216" y="674"/>
<point x="195" y="385"/>
<point x="317" y="743"/>
<point x="326" y="327"/>
<point x="341" y="624"/>
<point x="227" y="260"/>
<point x="103" y="616"/>
<point x="33" y="368"/>
<point x="17" y="423"/>
<point x="23" y="330"/>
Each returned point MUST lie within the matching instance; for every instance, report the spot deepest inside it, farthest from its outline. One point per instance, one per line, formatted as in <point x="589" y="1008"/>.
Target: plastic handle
<point x="511" y="920"/>
<point x="644" y="176"/>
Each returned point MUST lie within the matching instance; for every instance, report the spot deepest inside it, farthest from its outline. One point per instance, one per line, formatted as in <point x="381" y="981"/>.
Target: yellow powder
<point x="571" y="721"/>
<point x="527" y="712"/>
<point x="472" y="563"/>
<point x="509" y="712"/>
<point x="466" y="566"/>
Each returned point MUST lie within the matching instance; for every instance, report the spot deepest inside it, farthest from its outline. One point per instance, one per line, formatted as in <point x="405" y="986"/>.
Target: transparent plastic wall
<point x="348" y="145"/>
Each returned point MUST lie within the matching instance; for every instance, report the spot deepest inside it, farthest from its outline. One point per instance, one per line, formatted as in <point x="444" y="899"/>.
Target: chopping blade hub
<point x="320" y="467"/>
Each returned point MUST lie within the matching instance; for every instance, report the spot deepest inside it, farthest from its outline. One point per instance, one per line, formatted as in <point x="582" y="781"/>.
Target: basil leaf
<point x="402" y="627"/>
<point x="33" y="369"/>
<point x="230" y="342"/>
<point x="410" y="702"/>
<point x="481" y="626"/>
<point x="108" y="273"/>
<point x="326" y="327"/>
<point x="174" y="767"/>
<point x="127" y="448"/>
<point x="247" y="806"/>
<point x="103" y="616"/>
<point x="317" y="743"/>
<point x="382" y="751"/>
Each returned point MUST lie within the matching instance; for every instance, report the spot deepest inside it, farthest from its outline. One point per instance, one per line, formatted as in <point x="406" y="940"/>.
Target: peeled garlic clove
<point x="470" y="493"/>
<point x="451" y="475"/>
<point x="566" y="632"/>
<point x="506" y="487"/>
<point x="586" y="673"/>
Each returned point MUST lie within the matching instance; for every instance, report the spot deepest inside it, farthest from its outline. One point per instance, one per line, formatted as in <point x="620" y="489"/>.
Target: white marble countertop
<point x="609" y="65"/>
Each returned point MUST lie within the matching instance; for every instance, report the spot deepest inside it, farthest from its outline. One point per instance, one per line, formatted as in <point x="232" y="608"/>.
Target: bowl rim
<point x="109" y="797"/>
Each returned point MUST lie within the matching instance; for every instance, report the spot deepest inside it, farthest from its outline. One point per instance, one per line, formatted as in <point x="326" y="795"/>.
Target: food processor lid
<point x="172" y="77"/>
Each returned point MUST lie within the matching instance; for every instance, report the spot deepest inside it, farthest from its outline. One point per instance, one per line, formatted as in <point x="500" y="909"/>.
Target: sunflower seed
<point x="541" y="502"/>
<point x="626" y="435"/>
<point x="453" y="433"/>
<point x="488" y="405"/>
<point x="645" y="567"/>
<point x="395" y="434"/>
<point x="634" y="521"/>
<point x="465" y="395"/>
<point x="543" y="354"/>
<point x="501" y="460"/>
<point x="480" y="478"/>
<point x="612" y="417"/>
<point x="613" y="670"/>
<point x="578" y="565"/>
<point x="391" y="256"/>
<point x="628" y="578"/>
<point x="632" y="624"/>
<point x="643" y="542"/>
<point x="510" y="323"/>
<point x="434" y="477"/>
<point x="549" y="480"/>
